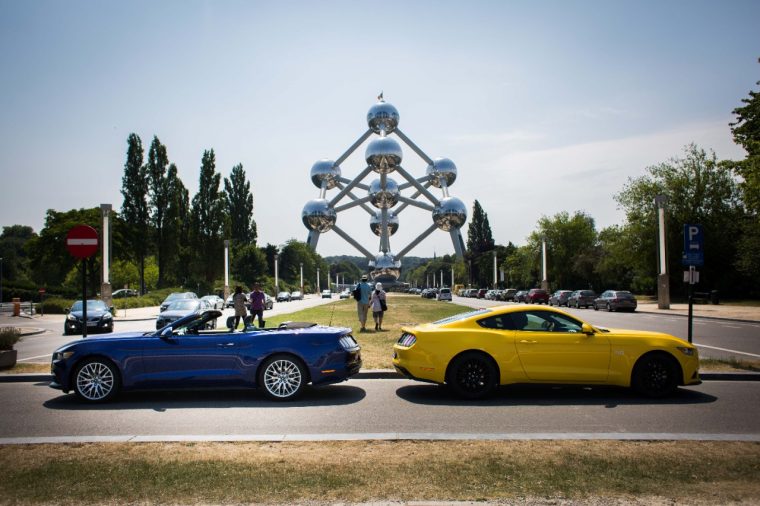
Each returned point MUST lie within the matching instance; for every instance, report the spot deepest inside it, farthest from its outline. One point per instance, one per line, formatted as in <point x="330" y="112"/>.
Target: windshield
<point x="461" y="316"/>
<point x="183" y="305"/>
<point x="91" y="304"/>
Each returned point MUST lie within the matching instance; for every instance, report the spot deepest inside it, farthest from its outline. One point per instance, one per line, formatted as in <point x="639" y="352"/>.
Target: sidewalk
<point x="719" y="311"/>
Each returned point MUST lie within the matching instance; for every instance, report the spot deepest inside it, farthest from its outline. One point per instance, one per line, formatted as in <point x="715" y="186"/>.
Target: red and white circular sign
<point x="82" y="241"/>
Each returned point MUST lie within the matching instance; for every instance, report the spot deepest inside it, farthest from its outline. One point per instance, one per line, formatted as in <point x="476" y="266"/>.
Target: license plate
<point x="92" y="324"/>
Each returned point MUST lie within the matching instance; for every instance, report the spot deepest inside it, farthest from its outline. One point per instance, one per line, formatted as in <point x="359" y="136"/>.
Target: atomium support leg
<point x="456" y="238"/>
<point x="418" y="240"/>
<point x="353" y="243"/>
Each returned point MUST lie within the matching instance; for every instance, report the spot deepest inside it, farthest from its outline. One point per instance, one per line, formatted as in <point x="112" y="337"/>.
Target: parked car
<point x="537" y="296"/>
<point x="508" y="294"/>
<point x="520" y="296"/>
<point x="123" y="293"/>
<point x="581" y="298"/>
<point x="559" y="298"/>
<point x="493" y="294"/>
<point x="268" y="301"/>
<point x="99" y="317"/>
<point x="283" y="297"/>
<point x="214" y="301"/>
<point x="297" y="295"/>
<point x="481" y="293"/>
<point x="444" y="294"/>
<point x="182" y="308"/>
<point x="176" y="296"/>
<point x="614" y="300"/>
<point x="539" y="351"/>
<point x="279" y="361"/>
<point x="345" y="294"/>
<point x="326" y="294"/>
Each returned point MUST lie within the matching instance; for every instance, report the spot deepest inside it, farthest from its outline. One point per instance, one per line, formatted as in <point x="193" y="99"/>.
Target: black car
<point x="176" y="296"/>
<point x="520" y="296"/>
<point x="614" y="300"/>
<point x="99" y="317"/>
<point x="581" y="298"/>
<point x="182" y="308"/>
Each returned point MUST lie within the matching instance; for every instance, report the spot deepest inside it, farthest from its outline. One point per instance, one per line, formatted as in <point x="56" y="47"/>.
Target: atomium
<point x="383" y="156"/>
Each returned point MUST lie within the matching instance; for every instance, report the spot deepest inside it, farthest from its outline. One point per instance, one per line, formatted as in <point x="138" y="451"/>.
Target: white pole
<point x="495" y="281"/>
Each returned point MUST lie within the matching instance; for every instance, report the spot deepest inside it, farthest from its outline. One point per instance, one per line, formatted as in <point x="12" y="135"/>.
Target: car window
<point x="461" y="316"/>
<point x="545" y="321"/>
<point x="498" y="322"/>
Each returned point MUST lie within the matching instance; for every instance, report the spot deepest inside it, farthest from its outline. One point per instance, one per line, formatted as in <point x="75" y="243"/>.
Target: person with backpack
<point x="377" y="301"/>
<point x="362" y="292"/>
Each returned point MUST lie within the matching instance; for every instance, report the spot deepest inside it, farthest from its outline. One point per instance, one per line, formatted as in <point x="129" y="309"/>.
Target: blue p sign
<point x="693" y="245"/>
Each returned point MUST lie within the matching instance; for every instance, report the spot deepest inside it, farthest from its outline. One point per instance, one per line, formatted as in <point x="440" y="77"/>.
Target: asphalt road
<point x="366" y="408"/>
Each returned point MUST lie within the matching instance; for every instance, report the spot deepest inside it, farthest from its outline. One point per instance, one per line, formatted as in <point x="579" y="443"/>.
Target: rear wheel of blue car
<point x="282" y="377"/>
<point x="656" y="375"/>
<point x="472" y="375"/>
<point x="96" y="380"/>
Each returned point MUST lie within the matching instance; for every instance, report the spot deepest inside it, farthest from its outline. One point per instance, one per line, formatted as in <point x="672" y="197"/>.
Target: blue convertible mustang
<point x="281" y="360"/>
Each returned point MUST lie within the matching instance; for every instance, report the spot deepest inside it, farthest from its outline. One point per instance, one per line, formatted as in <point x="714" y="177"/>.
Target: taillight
<point x="407" y="340"/>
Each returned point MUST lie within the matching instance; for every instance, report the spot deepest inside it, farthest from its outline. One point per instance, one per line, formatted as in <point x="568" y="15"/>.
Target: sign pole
<point x="691" y="301"/>
<point x="84" y="298"/>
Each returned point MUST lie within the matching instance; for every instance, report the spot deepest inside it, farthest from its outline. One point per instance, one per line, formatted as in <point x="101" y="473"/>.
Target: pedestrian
<point x="361" y="294"/>
<point x="238" y="302"/>
<point x="377" y="301"/>
<point x="258" y="301"/>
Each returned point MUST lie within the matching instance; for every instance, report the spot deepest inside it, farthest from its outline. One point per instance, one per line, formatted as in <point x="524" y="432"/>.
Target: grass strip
<point x="224" y="473"/>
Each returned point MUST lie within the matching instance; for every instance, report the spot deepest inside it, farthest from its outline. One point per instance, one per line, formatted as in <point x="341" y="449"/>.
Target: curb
<point x="390" y="374"/>
<point x="720" y="318"/>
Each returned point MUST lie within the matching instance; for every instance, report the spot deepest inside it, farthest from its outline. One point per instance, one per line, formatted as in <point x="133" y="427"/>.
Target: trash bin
<point x="714" y="297"/>
<point x="16" y="306"/>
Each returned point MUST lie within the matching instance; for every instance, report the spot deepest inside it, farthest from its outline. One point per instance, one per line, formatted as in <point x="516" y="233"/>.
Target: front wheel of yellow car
<point x="472" y="375"/>
<point x="656" y="375"/>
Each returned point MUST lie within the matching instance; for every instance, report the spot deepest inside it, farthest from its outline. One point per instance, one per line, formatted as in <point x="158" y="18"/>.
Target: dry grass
<point x="29" y="368"/>
<point x="728" y="365"/>
<point x="377" y="347"/>
<point x="224" y="473"/>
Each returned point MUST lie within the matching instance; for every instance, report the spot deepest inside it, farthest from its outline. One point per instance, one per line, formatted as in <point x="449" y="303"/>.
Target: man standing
<point x="363" y="291"/>
<point x="258" y="302"/>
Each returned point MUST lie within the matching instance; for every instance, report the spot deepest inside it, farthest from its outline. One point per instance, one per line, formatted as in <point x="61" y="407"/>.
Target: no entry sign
<point x="82" y="241"/>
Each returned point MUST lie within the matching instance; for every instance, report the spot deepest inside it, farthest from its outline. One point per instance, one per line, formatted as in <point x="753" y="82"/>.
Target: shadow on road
<point x="548" y="395"/>
<point x="165" y="400"/>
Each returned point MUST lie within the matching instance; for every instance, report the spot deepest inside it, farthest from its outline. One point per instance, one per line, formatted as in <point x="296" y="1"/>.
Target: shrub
<point x="55" y="305"/>
<point x="9" y="336"/>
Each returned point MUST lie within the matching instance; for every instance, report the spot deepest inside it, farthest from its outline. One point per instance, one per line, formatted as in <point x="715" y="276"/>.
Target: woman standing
<point x="238" y="302"/>
<point x="377" y="302"/>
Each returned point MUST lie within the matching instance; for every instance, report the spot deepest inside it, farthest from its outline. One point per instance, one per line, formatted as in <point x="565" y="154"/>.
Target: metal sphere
<point x="442" y="168"/>
<point x="450" y="214"/>
<point x="384" y="198"/>
<point x="318" y="215"/>
<point x="386" y="268"/>
<point x="382" y="117"/>
<point x="325" y="170"/>
<point x="376" y="221"/>
<point x="383" y="155"/>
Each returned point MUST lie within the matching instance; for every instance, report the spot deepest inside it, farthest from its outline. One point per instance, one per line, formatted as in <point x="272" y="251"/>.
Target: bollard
<point x="16" y="306"/>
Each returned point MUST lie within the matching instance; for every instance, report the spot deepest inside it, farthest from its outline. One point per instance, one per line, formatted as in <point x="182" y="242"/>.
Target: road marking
<point x="32" y="358"/>
<point x="391" y="436"/>
<point x="731" y="326"/>
<point x="726" y="350"/>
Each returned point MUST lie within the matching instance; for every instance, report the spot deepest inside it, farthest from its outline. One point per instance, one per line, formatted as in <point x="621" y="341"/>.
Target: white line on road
<point x="391" y="436"/>
<point x="32" y="358"/>
<point x="726" y="350"/>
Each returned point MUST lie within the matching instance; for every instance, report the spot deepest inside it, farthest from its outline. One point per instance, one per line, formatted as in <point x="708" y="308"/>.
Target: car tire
<point x="282" y="377"/>
<point x="596" y="308"/>
<point x="609" y="308"/>
<point x="472" y="375"/>
<point x="655" y="375"/>
<point x="96" y="380"/>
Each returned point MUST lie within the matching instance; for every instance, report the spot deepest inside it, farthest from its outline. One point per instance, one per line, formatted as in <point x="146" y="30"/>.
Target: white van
<point x="444" y="294"/>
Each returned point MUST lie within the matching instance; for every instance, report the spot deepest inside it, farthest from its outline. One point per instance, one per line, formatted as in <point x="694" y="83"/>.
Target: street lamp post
<point x="276" y="274"/>
<point x="663" y="281"/>
<point x="318" y="290"/>
<point x="226" y="269"/>
<point x="495" y="262"/>
<point x="300" y="265"/>
<point x="544" y="280"/>
<point x="105" y="279"/>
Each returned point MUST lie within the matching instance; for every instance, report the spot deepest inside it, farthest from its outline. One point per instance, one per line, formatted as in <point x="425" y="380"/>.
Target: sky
<point x="544" y="106"/>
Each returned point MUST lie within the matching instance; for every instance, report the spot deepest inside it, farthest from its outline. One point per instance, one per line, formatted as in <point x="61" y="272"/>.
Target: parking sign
<point x="693" y="245"/>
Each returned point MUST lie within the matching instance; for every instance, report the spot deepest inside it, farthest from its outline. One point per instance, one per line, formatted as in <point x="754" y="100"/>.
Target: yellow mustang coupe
<point x="475" y="352"/>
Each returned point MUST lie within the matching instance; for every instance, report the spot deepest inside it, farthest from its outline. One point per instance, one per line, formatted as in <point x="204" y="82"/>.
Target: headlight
<point x="62" y="355"/>
<point x="70" y="317"/>
<point x="689" y="352"/>
<point x="107" y="316"/>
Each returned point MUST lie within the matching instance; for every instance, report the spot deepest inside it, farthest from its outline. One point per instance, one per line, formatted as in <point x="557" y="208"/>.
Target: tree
<point x="134" y="208"/>
<point x="15" y="264"/>
<point x="699" y="191"/>
<point x="239" y="204"/>
<point x="177" y="248"/>
<point x="208" y="223"/>
<point x="159" y="199"/>
<point x="746" y="131"/>
<point x="479" y="241"/>
<point x="571" y="248"/>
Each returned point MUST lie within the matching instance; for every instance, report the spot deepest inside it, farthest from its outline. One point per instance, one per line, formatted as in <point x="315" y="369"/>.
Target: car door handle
<point x="528" y="341"/>
<point x="226" y="345"/>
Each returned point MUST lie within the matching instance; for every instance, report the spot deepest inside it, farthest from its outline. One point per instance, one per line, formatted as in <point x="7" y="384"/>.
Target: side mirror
<point x="110" y="309"/>
<point x="166" y="333"/>
<point x="588" y="329"/>
<point x="66" y="310"/>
